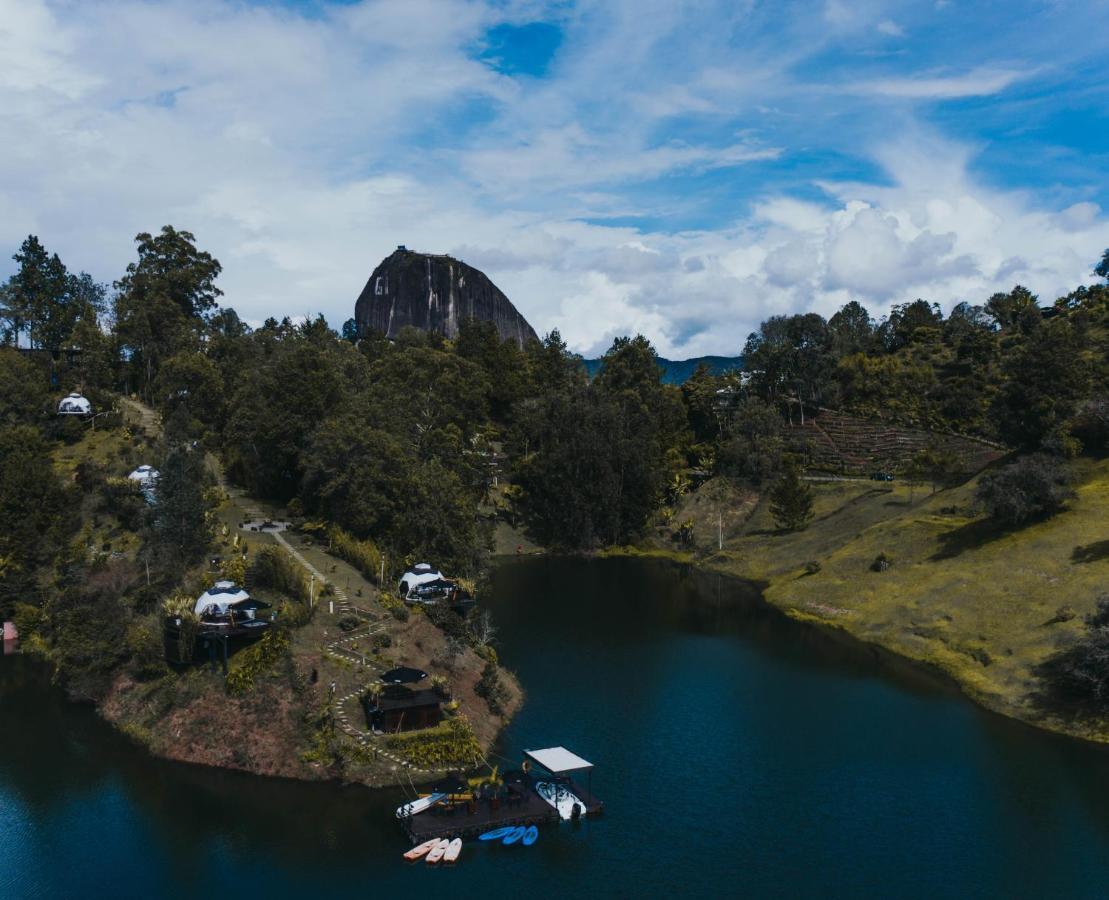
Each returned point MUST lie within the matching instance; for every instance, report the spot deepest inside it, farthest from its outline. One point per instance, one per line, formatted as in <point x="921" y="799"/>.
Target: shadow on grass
<point x="968" y="537"/>
<point x="1091" y="552"/>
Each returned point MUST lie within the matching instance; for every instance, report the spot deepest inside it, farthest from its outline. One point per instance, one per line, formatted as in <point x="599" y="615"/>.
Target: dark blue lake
<point x="738" y="754"/>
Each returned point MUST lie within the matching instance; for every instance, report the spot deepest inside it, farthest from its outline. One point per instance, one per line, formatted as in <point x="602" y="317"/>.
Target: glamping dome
<point x="74" y="405"/>
<point x="222" y="596"/>
<point x="419" y="575"/>
<point x="143" y="475"/>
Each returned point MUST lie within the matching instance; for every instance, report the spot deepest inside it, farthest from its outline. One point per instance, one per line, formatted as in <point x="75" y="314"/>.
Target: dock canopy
<point x="558" y="760"/>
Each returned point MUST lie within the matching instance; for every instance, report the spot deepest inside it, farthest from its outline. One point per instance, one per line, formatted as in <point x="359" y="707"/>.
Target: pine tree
<point x="791" y="501"/>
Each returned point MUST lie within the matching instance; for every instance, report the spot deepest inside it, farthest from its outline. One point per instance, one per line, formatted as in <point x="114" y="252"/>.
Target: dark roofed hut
<point x="399" y="708"/>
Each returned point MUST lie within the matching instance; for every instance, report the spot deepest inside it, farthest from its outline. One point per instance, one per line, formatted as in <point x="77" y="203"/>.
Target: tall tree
<point x="163" y="298"/>
<point x="41" y="297"/>
<point x="791" y="500"/>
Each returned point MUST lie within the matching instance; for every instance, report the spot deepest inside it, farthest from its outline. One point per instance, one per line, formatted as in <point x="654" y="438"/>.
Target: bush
<point x="881" y="563"/>
<point x="257" y="661"/>
<point x="1032" y="487"/>
<point x="274" y="568"/>
<point x="450" y="744"/>
<point x="1083" y="669"/>
<point x="363" y="555"/>
<point x="812" y="567"/>
<point x="491" y="688"/>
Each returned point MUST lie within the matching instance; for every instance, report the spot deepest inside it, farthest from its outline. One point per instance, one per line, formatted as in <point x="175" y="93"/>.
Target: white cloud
<point x="890" y="28"/>
<point x="297" y="151"/>
<point x="979" y="82"/>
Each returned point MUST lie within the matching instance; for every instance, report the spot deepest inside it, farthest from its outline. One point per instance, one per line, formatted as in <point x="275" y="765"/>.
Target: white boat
<point x="418" y="806"/>
<point x="560" y="797"/>
<point x="453" y="849"/>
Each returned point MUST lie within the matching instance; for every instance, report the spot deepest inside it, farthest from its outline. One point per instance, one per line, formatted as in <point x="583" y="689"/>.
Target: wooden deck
<point x="456" y="820"/>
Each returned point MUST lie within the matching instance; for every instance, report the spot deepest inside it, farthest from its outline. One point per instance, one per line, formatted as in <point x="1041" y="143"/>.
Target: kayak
<point x="421" y="849"/>
<point x="496" y="834"/>
<point x="418" y="806"/>
<point x="514" y="835"/>
<point x="530" y="836"/>
<point x="559" y="797"/>
<point x="453" y="849"/>
<point x="436" y="853"/>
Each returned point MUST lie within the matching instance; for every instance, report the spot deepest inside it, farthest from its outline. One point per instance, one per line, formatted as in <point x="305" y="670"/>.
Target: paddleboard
<point x="514" y="835"/>
<point x="496" y="834"/>
<point x="436" y="852"/>
<point x="453" y="849"/>
<point x="418" y="806"/>
<point x="530" y="836"/>
<point x="421" y="849"/>
<point x="559" y="797"/>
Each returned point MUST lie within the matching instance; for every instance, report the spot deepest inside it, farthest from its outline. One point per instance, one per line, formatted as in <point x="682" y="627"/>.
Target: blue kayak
<point x="530" y="836"/>
<point x="514" y="835"/>
<point x="496" y="834"/>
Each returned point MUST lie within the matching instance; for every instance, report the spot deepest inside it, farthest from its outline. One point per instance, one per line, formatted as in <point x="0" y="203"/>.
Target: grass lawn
<point x="960" y="595"/>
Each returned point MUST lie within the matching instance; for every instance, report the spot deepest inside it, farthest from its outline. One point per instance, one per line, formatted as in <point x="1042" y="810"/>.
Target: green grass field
<point x="960" y="595"/>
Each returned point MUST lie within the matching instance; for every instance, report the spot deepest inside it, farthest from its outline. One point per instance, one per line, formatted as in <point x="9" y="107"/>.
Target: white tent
<point x="222" y="595"/>
<point x="144" y="475"/>
<point x="74" y="405"/>
<point x="421" y="573"/>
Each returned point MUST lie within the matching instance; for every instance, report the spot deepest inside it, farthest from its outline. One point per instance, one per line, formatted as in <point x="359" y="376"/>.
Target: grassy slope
<point x="959" y="596"/>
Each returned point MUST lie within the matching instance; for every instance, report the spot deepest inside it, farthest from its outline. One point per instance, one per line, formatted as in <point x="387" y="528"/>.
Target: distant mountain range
<point x="678" y="371"/>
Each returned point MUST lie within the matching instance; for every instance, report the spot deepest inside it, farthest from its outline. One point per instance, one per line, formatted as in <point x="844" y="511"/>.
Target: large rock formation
<point x="434" y="293"/>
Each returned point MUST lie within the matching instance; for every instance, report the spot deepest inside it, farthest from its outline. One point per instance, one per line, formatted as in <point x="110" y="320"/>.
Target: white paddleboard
<point x="418" y="806"/>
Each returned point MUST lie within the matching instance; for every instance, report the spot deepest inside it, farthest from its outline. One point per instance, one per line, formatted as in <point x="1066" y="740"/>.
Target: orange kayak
<point x="418" y="851"/>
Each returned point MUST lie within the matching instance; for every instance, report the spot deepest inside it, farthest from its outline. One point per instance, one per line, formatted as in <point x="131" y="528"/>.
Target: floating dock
<point x="470" y="818"/>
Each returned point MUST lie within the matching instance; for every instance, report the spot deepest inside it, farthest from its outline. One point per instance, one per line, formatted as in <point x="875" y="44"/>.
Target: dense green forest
<point x="401" y="441"/>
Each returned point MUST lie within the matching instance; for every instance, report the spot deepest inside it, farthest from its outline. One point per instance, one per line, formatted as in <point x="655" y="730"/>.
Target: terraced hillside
<point x="838" y="443"/>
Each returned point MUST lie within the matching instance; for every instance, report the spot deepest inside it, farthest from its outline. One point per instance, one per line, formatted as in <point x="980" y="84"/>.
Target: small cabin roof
<point x="558" y="760"/>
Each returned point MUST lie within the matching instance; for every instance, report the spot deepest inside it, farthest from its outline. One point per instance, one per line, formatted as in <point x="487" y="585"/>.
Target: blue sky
<point x="679" y="169"/>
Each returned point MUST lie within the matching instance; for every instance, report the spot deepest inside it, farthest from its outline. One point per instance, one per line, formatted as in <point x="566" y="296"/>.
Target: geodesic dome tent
<point x="419" y="575"/>
<point x="219" y="598"/>
<point x="74" y="405"/>
<point x="143" y="475"/>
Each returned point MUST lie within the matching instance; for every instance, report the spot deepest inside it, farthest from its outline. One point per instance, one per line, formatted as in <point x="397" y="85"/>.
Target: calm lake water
<point x="738" y="753"/>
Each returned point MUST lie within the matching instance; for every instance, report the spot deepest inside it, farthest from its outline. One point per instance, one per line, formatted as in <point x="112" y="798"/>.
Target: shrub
<point x="1083" y="669"/>
<point x="881" y="563"/>
<point x="1032" y="487"/>
<point x="363" y="555"/>
<point x="450" y="744"/>
<point x="491" y="688"/>
<point x="349" y="623"/>
<point x="274" y="568"/>
<point x="257" y="661"/>
<point x="812" y="567"/>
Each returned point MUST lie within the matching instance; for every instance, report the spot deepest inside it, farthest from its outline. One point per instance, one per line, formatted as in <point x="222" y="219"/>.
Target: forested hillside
<point x="421" y="444"/>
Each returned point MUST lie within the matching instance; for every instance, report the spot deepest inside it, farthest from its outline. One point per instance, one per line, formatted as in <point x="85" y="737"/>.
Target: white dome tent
<point x="143" y="475"/>
<point x="419" y="574"/>
<point x="74" y="405"/>
<point x="219" y="599"/>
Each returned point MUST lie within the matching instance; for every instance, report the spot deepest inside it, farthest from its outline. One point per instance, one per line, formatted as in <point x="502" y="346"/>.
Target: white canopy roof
<point x="74" y="404"/>
<point x="222" y="594"/>
<point x="558" y="760"/>
<point x="144" y="473"/>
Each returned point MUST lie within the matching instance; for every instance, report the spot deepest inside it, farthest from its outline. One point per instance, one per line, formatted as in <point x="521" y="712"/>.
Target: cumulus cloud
<point x="602" y="198"/>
